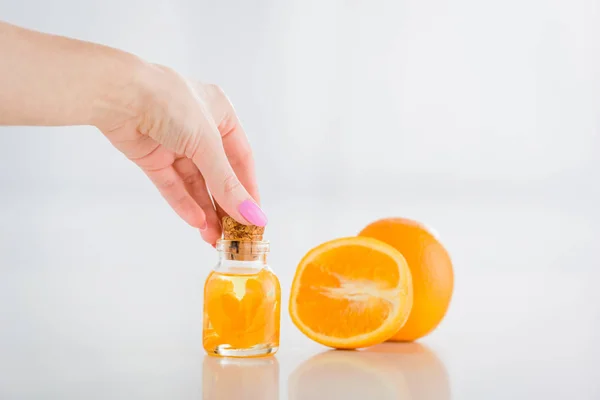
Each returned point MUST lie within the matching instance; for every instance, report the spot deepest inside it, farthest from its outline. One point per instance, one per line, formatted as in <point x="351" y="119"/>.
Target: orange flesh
<point x="241" y="310"/>
<point x="351" y="293"/>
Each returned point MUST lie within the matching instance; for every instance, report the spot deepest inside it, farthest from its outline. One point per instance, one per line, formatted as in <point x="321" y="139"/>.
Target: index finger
<point x="235" y="142"/>
<point x="238" y="151"/>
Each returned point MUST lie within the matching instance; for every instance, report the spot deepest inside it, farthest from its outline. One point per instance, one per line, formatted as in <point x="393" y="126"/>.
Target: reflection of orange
<point x="431" y="270"/>
<point x="424" y="373"/>
<point x="338" y="374"/>
<point x="351" y="292"/>
<point x="383" y="372"/>
<point x="241" y="310"/>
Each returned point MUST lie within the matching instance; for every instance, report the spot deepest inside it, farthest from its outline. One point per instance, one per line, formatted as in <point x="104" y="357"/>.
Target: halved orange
<point x="351" y="292"/>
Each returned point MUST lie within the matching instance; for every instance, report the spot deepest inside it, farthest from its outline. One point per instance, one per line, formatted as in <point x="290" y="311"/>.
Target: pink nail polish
<point x="252" y="213"/>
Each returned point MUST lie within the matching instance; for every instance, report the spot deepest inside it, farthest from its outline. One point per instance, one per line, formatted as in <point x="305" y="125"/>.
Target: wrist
<point x="118" y="91"/>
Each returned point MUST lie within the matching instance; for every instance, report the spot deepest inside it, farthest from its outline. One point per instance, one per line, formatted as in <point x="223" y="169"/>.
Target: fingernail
<point x="252" y="213"/>
<point x="203" y="227"/>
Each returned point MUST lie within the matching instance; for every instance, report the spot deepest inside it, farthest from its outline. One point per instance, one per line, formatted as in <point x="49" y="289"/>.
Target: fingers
<point x="173" y="189"/>
<point x="196" y="187"/>
<point x="235" y="142"/>
<point x="239" y="154"/>
<point x="210" y="158"/>
<point x="181" y="120"/>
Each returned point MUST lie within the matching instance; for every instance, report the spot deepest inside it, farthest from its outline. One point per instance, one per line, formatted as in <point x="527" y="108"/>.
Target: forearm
<point x="53" y="80"/>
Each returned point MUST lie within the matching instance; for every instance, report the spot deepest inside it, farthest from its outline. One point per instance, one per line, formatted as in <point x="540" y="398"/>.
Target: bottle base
<point x="225" y="350"/>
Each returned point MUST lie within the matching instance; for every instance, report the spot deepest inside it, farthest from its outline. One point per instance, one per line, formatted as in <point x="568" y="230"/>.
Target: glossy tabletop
<point x="102" y="298"/>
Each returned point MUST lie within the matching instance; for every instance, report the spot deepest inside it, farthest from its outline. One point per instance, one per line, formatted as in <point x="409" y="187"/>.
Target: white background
<point x="481" y="119"/>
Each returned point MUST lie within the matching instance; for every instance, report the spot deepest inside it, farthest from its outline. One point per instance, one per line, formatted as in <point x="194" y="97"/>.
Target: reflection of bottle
<point x="383" y="372"/>
<point x="241" y="296"/>
<point x="240" y="379"/>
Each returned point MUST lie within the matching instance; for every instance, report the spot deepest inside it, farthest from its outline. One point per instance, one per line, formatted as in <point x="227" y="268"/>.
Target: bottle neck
<point x="232" y="259"/>
<point x="249" y="253"/>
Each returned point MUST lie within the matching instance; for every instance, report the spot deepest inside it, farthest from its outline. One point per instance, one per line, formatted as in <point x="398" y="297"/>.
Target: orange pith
<point x="351" y="292"/>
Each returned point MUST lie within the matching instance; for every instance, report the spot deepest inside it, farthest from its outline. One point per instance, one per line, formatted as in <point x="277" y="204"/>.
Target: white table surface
<point x="101" y="297"/>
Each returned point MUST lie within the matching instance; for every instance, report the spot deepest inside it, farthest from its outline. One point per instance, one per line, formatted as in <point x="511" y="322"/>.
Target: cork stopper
<point x="233" y="230"/>
<point x="242" y="242"/>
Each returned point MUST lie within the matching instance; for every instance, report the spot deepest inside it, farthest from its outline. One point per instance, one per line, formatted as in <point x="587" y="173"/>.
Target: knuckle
<point x="167" y="184"/>
<point x="182" y="204"/>
<point x="231" y="183"/>
<point x="215" y="90"/>
<point x="243" y="159"/>
<point x="197" y="137"/>
<point x="216" y="96"/>
<point x="192" y="178"/>
<point x="185" y="206"/>
<point x="185" y="143"/>
<point x="227" y="126"/>
<point x="195" y="146"/>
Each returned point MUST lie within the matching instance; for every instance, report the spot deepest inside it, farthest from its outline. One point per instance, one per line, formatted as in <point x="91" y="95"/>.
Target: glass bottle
<point x="242" y="300"/>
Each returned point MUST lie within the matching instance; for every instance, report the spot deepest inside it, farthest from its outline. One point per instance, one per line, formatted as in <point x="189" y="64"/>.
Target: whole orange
<point x="431" y="269"/>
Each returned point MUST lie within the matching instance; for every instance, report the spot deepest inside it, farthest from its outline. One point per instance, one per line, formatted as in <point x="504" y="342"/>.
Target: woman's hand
<point x="186" y="137"/>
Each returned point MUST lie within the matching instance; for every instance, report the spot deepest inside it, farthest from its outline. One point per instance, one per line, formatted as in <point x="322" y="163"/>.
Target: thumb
<point x="225" y="187"/>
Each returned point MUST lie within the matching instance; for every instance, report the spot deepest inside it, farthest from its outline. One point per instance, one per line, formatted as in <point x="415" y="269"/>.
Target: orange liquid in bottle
<point x="241" y="313"/>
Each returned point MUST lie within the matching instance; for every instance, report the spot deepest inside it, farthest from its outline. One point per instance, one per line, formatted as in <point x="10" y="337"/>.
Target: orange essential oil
<point x="242" y="299"/>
